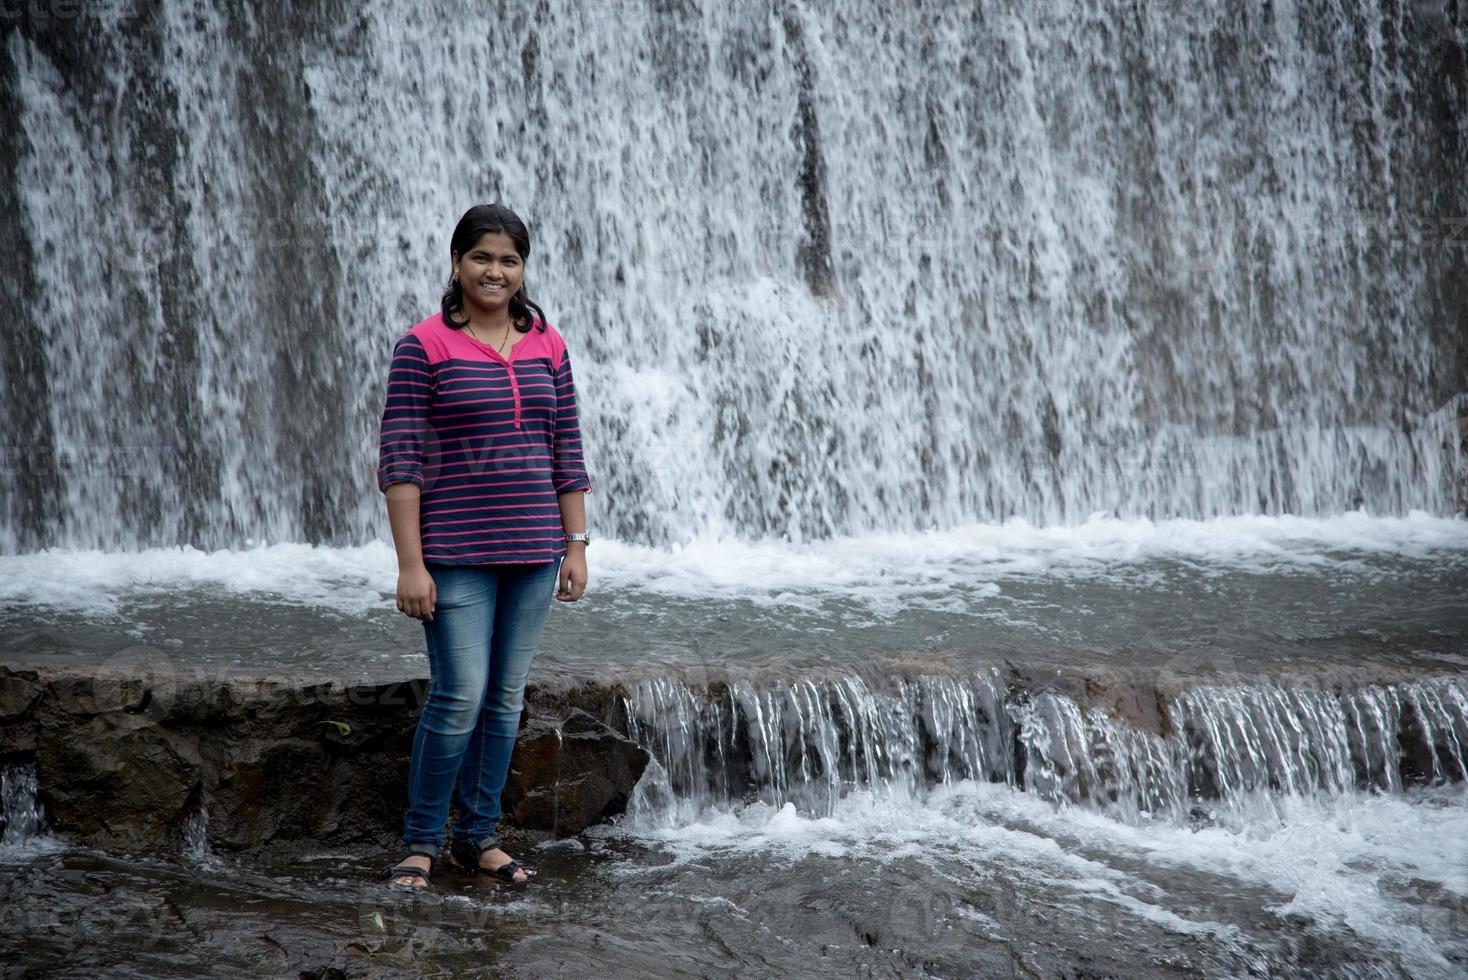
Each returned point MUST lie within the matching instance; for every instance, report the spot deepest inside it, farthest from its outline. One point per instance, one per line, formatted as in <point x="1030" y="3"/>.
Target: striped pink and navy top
<point x="491" y="441"/>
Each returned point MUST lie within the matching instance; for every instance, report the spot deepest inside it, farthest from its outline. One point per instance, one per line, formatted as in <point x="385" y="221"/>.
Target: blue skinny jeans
<point x="485" y="630"/>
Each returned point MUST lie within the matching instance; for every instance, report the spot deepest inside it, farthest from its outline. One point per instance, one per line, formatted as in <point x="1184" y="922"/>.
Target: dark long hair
<point x="478" y="221"/>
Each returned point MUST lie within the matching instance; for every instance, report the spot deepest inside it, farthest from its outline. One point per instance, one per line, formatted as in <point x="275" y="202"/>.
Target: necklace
<point x="508" y="327"/>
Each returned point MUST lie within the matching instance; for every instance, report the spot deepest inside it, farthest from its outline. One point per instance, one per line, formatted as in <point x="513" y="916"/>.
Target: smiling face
<point x="489" y="274"/>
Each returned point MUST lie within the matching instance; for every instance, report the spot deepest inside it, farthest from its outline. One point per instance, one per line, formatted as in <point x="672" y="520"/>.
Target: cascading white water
<point x="194" y="835"/>
<point x="21" y="816"/>
<point x="1223" y="753"/>
<point x="825" y="268"/>
<point x="808" y="742"/>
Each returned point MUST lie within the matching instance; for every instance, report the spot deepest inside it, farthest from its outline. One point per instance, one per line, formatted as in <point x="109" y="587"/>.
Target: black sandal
<point x="465" y="857"/>
<point x="407" y="870"/>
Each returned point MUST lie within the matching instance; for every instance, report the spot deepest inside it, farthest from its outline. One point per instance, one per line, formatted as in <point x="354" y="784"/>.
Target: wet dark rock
<point x="604" y="702"/>
<point x="125" y="760"/>
<point x="119" y="776"/>
<point x="1429" y="753"/>
<point x="1123" y="697"/>
<point x="568" y="775"/>
<point x="19" y="692"/>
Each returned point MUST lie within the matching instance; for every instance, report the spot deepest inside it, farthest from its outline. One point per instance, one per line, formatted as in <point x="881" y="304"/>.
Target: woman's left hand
<point x="572" y="574"/>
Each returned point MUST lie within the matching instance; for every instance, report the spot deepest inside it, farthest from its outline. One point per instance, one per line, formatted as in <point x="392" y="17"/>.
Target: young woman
<point x="481" y="462"/>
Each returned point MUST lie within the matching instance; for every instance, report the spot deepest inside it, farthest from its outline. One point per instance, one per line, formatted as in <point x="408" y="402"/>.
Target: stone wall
<point x="125" y="761"/>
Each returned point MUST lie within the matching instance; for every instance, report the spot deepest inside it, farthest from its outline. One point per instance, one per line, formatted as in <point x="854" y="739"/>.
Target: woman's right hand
<point x="417" y="593"/>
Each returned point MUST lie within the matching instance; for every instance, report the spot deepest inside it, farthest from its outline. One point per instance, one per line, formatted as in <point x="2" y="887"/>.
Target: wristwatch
<point x="579" y="536"/>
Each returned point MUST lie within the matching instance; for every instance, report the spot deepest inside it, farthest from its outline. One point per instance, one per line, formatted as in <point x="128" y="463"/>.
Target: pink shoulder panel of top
<point x="442" y="342"/>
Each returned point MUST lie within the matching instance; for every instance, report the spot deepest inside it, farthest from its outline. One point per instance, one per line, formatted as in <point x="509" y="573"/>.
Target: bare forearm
<point x="402" y="515"/>
<point x="573" y="511"/>
<point x="573" y="518"/>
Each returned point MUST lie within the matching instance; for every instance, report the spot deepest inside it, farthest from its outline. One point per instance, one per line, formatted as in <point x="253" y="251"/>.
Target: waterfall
<point x="825" y="268"/>
<point x="1217" y="753"/>
<point x="22" y="819"/>
<point x="194" y="835"/>
<point x="806" y="742"/>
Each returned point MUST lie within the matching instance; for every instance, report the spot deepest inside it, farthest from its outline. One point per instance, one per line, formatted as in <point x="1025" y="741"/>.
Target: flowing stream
<point x="1029" y="445"/>
<point x="826" y="268"/>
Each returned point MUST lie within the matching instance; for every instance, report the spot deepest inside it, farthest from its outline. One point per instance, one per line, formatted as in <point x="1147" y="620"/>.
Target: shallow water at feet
<point x="964" y="880"/>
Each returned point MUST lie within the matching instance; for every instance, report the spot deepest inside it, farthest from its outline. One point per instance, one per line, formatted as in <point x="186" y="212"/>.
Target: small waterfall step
<point x="1200" y="752"/>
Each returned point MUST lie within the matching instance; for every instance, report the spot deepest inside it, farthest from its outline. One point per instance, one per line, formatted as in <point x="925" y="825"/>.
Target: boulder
<point x="568" y="774"/>
<point x="19" y="692"/>
<point x="117" y="778"/>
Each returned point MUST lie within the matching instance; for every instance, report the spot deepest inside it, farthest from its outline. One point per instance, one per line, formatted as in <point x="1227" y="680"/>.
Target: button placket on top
<point x="514" y="381"/>
<point x="509" y="369"/>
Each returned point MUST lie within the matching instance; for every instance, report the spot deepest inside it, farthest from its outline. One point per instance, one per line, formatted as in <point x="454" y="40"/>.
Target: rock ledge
<point x="126" y="761"/>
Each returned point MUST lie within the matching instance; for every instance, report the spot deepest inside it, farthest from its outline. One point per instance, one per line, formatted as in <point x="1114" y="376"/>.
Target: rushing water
<point x="942" y="827"/>
<point x="1217" y="750"/>
<point x="1025" y="442"/>
<point x="1153" y="749"/>
<point x="827" y="268"/>
<point x="1256" y="596"/>
<point x="21" y="815"/>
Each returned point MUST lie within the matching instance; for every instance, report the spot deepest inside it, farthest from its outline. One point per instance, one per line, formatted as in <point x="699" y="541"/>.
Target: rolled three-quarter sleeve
<point x="568" y="466"/>
<point x="405" y="415"/>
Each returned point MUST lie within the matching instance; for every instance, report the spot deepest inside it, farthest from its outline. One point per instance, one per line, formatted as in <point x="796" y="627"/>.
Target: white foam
<point x="878" y="826"/>
<point x="1337" y="861"/>
<point x="31" y="849"/>
<point x="1344" y="863"/>
<point x="879" y="573"/>
<point x="349" y="580"/>
<point x="878" y="562"/>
